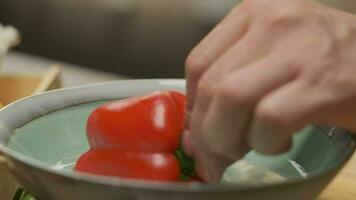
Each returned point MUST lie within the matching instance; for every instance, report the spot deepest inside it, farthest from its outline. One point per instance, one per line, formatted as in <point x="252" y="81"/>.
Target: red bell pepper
<point x="138" y="138"/>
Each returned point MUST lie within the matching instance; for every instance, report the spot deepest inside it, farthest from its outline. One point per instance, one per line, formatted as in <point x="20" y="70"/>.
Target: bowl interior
<point x="58" y="139"/>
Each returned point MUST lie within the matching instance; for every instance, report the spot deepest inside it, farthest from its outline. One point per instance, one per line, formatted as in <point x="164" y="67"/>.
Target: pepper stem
<point x="187" y="165"/>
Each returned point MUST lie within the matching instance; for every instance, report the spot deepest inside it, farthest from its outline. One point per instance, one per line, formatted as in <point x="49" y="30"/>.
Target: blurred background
<point x="138" y="38"/>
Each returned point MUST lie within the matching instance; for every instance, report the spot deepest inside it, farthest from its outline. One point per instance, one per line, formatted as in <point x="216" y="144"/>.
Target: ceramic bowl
<point x="42" y="136"/>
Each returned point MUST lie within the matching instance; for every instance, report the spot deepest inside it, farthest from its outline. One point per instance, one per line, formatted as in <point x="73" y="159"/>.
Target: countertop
<point x="72" y="75"/>
<point x="343" y="187"/>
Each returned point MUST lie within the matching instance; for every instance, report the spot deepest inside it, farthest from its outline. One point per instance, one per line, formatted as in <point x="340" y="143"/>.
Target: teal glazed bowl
<point x="42" y="136"/>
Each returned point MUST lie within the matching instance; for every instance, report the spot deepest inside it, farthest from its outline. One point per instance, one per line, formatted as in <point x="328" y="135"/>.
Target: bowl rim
<point x="8" y="153"/>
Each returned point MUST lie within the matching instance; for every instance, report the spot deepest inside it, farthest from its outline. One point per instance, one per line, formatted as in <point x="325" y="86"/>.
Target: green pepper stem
<point x="186" y="163"/>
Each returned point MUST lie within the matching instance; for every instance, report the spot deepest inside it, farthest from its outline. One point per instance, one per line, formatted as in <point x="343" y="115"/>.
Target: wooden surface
<point x="13" y="87"/>
<point x="343" y="187"/>
<point x="71" y="75"/>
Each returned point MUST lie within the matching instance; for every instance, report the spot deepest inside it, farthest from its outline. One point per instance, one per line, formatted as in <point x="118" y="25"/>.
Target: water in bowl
<point x="57" y="138"/>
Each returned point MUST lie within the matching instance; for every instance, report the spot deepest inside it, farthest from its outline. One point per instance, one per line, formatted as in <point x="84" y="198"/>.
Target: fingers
<point x="226" y="34"/>
<point x="211" y="167"/>
<point x="231" y="109"/>
<point x="247" y="50"/>
<point x="241" y="97"/>
<point x="216" y="123"/>
<point x="281" y="113"/>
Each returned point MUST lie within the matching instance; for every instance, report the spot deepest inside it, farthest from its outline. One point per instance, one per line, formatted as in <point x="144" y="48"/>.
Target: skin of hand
<point x="268" y="69"/>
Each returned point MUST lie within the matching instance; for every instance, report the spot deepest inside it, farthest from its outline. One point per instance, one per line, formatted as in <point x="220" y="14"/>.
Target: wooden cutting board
<point x="343" y="187"/>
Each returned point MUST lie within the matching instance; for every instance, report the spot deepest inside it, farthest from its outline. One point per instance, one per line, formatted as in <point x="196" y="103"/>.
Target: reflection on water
<point x="300" y="169"/>
<point x="67" y="163"/>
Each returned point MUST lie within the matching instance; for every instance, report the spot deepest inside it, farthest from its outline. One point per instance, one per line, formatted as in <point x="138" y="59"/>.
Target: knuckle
<point x="286" y="17"/>
<point x="205" y="88"/>
<point x="324" y="46"/>
<point x="195" y="65"/>
<point x="235" y="91"/>
<point x="271" y="115"/>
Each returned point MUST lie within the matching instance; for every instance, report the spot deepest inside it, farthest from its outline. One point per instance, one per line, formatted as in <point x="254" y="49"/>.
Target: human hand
<point x="268" y="69"/>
